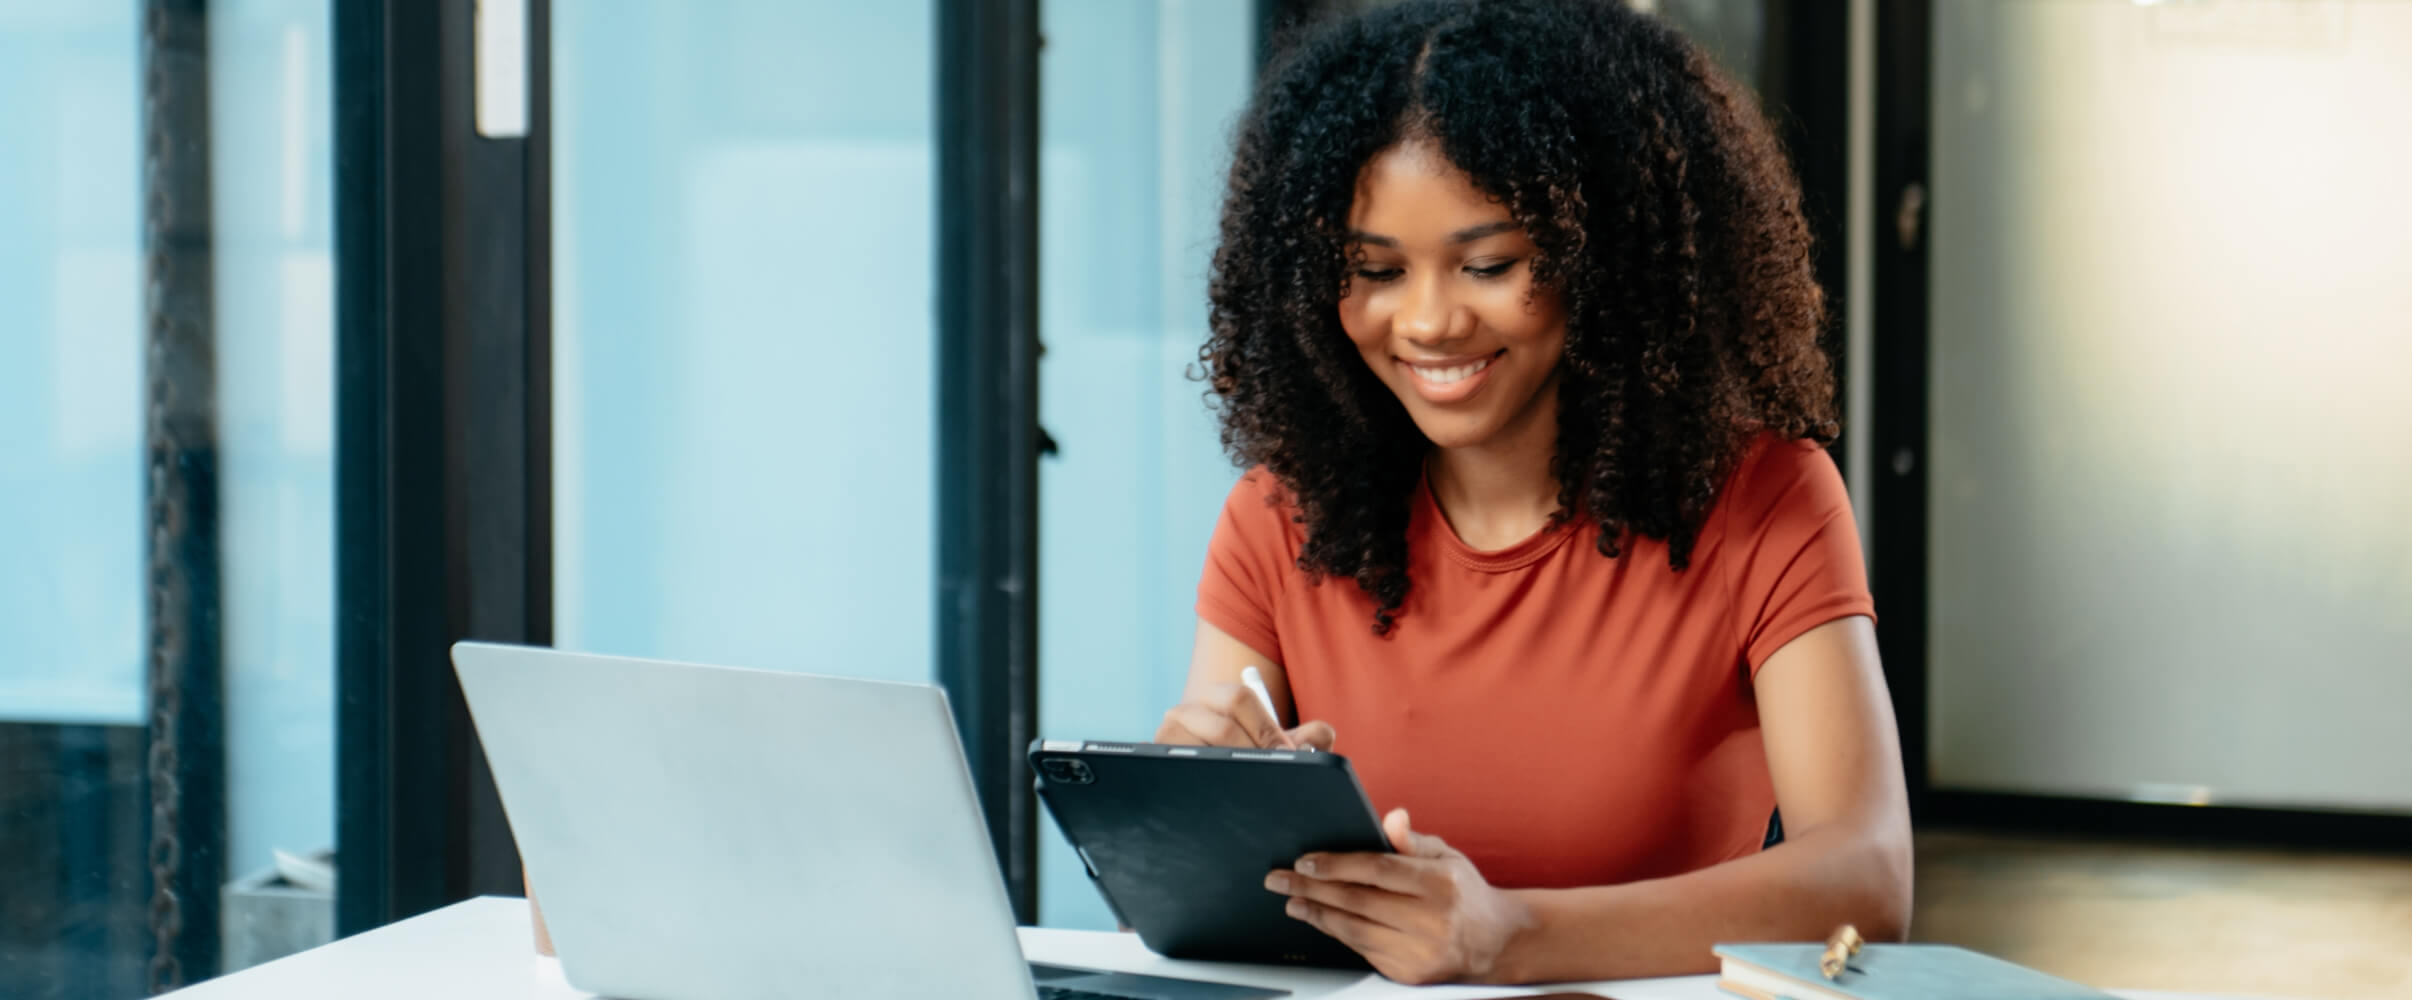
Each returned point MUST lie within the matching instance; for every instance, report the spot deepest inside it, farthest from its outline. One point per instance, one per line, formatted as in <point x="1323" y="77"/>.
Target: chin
<point x="1445" y="433"/>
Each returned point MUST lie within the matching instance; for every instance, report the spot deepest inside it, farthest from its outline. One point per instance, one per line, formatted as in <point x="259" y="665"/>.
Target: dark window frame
<point x="185" y="698"/>
<point x="443" y="423"/>
<point x="988" y="433"/>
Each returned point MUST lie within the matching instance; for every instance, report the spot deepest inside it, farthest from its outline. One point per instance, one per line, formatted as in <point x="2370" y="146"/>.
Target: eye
<point x="1491" y="270"/>
<point x="1378" y="274"/>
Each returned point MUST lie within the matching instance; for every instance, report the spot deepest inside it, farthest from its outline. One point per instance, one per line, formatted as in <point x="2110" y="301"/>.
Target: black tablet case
<point x="1179" y="840"/>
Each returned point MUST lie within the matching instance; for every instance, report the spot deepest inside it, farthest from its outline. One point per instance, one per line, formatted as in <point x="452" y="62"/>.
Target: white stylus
<point x="1254" y="681"/>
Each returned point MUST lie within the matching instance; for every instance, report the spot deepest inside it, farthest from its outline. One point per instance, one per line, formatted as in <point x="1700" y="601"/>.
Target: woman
<point x="1514" y="323"/>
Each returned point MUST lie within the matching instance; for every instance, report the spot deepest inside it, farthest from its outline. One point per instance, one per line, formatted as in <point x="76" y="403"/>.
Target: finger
<point x="1207" y="726"/>
<point x="1315" y="735"/>
<point x="1363" y="936"/>
<point x="1172" y="732"/>
<point x="1248" y="712"/>
<point x="1405" y="840"/>
<point x="1397" y="873"/>
<point x="1380" y="906"/>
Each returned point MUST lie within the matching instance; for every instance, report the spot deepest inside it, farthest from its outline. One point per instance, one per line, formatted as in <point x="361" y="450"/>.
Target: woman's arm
<point x="1835" y="758"/>
<point x="1215" y="710"/>
<point x="1426" y="915"/>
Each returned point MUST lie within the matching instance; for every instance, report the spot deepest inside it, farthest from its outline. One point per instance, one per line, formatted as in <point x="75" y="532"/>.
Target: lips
<point x="1449" y="380"/>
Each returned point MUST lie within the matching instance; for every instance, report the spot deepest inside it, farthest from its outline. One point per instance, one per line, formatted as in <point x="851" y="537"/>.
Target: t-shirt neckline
<point x="1517" y="556"/>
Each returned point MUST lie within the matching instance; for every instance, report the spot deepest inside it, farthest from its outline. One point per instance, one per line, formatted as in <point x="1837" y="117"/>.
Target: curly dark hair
<point x="1666" y="217"/>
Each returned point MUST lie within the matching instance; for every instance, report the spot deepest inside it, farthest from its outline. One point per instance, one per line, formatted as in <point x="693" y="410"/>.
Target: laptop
<point x="710" y="832"/>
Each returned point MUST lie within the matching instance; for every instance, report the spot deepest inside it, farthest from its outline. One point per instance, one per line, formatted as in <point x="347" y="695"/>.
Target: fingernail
<point x="1305" y="866"/>
<point x="1297" y="908"/>
<point x="1278" y="881"/>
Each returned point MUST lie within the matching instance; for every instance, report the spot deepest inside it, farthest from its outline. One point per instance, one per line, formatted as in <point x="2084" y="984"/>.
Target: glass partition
<point x="2169" y="554"/>
<point x="742" y="334"/>
<point x="1138" y="100"/>
<point x="167" y="412"/>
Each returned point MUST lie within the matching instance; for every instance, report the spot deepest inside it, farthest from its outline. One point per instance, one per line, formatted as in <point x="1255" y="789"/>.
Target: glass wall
<point x="71" y="380"/>
<point x="83" y="115"/>
<point x="72" y="885"/>
<point x="1137" y="103"/>
<point x="743" y="327"/>
<point x="272" y="130"/>
<point x="2169" y="555"/>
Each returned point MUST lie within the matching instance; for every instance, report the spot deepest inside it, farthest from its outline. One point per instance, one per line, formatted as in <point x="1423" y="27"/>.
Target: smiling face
<point x="1442" y="304"/>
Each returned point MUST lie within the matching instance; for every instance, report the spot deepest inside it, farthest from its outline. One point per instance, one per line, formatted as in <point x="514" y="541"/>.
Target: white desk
<point x="481" y="950"/>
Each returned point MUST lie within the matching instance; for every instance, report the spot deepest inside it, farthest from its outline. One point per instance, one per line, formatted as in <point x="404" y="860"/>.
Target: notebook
<point x="1887" y="972"/>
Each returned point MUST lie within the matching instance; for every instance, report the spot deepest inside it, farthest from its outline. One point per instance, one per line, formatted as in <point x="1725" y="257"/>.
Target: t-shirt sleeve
<point x="1795" y="561"/>
<point x="1248" y="563"/>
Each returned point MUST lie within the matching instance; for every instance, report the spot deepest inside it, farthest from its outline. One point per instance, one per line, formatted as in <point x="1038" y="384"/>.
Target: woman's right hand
<point x="1229" y="715"/>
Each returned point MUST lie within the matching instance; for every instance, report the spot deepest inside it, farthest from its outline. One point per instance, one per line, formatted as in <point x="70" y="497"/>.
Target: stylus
<point x="1254" y="681"/>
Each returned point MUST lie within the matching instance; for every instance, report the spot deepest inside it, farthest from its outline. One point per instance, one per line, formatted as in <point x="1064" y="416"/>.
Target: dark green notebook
<point x="1888" y="972"/>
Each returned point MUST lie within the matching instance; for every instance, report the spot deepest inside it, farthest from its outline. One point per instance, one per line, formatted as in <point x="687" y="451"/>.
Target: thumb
<point x="1406" y="841"/>
<point x="1402" y="836"/>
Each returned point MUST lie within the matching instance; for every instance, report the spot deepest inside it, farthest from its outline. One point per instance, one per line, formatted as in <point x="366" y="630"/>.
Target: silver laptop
<point x="710" y="832"/>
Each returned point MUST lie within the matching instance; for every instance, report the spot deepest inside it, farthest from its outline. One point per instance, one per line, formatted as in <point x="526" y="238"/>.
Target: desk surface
<point x="480" y="950"/>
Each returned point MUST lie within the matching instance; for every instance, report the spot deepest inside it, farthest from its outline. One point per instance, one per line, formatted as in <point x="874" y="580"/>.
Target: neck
<point x="1496" y="493"/>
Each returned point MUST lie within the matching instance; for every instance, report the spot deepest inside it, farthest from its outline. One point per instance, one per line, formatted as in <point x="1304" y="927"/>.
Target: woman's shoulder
<point x="1250" y="559"/>
<point x="1259" y="501"/>
<point x="1781" y="477"/>
<point x="1259" y="487"/>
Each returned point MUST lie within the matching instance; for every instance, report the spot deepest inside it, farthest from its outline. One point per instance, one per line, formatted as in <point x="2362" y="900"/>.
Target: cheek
<point x="1525" y="320"/>
<point x="1358" y="320"/>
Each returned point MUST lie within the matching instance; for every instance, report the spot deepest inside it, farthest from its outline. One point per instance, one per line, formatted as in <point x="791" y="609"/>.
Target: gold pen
<point x="1840" y="946"/>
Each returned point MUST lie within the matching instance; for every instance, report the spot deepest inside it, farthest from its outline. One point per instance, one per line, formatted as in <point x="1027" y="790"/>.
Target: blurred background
<point x="858" y="338"/>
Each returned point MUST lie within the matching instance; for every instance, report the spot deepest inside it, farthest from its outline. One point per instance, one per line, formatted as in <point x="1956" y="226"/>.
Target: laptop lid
<point x="697" y="831"/>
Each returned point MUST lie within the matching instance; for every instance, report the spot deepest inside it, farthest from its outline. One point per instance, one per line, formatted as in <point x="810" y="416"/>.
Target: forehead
<point x="1410" y="190"/>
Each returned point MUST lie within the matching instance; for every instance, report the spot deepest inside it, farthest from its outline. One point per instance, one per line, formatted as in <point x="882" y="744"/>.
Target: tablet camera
<point x="1066" y="771"/>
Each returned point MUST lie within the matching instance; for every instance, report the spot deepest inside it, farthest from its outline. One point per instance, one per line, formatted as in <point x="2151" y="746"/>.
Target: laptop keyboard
<point x="1067" y="984"/>
<point x="1062" y="993"/>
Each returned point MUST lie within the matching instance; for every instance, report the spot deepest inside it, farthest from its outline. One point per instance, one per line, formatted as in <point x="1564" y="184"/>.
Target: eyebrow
<point x="1466" y="235"/>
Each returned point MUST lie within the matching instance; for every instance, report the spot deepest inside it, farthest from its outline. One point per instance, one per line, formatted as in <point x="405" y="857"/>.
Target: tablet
<point x="1179" y="839"/>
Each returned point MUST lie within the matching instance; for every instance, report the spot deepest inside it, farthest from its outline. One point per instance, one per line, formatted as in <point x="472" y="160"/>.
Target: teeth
<point x="1445" y="376"/>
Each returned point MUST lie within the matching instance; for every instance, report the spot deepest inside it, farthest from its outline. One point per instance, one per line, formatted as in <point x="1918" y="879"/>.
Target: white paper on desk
<point x="1378" y="988"/>
<point x="1685" y="988"/>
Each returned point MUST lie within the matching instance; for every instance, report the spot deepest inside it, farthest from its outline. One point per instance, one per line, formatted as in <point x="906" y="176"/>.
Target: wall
<point x="2170" y="553"/>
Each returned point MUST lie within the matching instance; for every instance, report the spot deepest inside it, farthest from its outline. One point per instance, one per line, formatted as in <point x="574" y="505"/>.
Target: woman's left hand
<point x="1423" y="915"/>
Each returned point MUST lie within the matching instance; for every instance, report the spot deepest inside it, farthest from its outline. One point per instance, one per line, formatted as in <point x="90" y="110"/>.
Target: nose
<point x="1426" y="315"/>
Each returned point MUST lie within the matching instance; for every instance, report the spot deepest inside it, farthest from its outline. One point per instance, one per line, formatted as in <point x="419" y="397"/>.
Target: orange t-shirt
<point x="1563" y="718"/>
